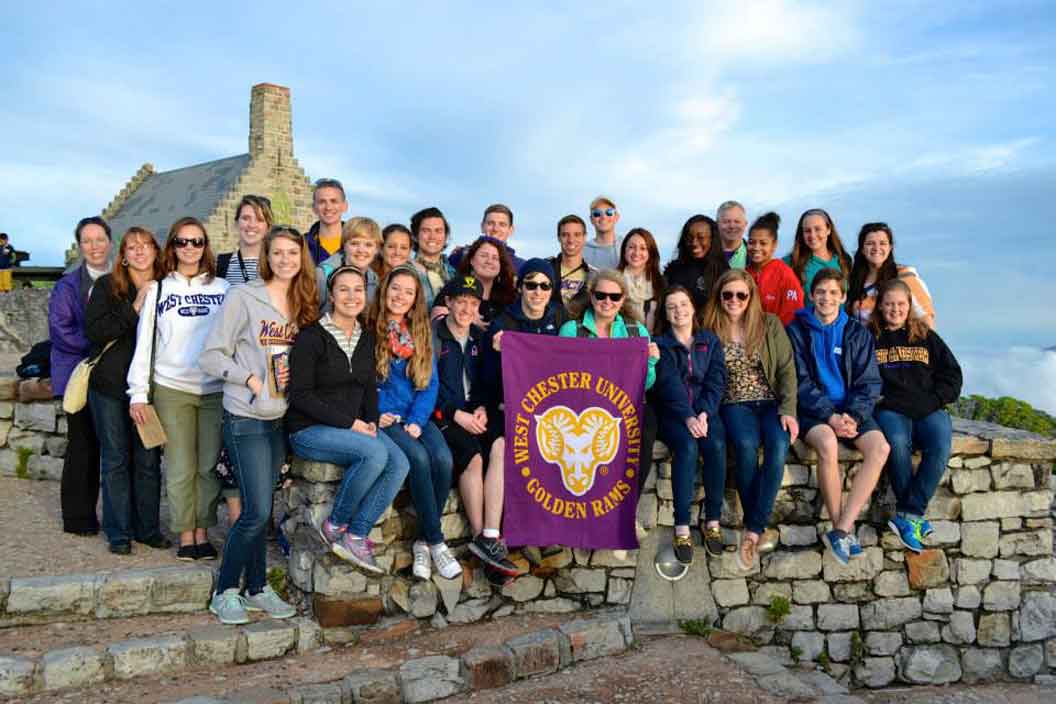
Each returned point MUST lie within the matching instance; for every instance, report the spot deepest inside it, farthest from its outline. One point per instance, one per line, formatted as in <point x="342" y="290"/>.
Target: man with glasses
<point x="603" y="252"/>
<point x="571" y="269"/>
<point x="498" y="224"/>
<point x="328" y="204"/>
<point x="733" y="219"/>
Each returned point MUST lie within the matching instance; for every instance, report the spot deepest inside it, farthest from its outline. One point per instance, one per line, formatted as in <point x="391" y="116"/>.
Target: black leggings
<point x="79" y="490"/>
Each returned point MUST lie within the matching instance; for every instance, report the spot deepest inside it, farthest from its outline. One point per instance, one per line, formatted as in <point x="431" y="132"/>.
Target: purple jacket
<point x="69" y="344"/>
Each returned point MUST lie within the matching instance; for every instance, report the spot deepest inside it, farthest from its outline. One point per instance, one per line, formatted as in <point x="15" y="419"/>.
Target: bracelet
<point x="247" y="382"/>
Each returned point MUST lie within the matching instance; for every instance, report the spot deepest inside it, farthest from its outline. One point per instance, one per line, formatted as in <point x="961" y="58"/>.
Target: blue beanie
<point x="536" y="266"/>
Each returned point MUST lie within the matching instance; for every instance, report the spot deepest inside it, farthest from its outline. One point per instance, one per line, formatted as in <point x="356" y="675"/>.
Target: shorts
<point x="808" y="422"/>
<point x="464" y="445"/>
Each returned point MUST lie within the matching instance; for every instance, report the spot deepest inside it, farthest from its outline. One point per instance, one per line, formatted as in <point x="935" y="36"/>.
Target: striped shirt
<point x="236" y="276"/>
<point x="347" y="343"/>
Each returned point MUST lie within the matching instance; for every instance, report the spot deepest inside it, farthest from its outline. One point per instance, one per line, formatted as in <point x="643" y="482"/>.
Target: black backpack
<point x="36" y="362"/>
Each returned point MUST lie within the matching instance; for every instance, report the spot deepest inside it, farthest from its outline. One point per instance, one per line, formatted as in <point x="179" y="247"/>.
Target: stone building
<point x="211" y="191"/>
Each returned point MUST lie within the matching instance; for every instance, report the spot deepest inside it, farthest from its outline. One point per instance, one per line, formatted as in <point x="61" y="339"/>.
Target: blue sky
<point x="936" y="117"/>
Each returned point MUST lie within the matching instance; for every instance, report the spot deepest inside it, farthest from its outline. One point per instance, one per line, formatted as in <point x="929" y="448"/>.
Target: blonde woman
<point x="360" y="245"/>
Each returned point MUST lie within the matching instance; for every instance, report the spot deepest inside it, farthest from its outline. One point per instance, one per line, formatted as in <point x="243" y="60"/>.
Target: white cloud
<point x="1026" y="373"/>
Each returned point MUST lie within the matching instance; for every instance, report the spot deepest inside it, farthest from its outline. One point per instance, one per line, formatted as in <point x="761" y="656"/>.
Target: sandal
<point x="746" y="554"/>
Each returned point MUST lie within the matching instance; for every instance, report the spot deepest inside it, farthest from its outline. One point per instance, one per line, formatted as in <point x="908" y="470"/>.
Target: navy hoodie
<point x="689" y="381"/>
<point x="514" y="320"/>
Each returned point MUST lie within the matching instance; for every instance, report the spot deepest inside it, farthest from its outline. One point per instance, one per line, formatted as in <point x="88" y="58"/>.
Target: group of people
<point x="372" y="349"/>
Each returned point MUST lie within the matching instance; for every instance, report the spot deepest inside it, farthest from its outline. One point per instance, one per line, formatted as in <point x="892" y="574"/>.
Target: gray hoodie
<point x="327" y="267"/>
<point x="246" y="333"/>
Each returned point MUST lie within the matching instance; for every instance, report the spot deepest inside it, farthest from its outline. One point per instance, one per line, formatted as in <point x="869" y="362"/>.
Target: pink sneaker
<point x="358" y="551"/>
<point x="330" y="533"/>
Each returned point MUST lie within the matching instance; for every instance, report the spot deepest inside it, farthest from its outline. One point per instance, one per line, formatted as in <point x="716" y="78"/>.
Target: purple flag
<point x="573" y="439"/>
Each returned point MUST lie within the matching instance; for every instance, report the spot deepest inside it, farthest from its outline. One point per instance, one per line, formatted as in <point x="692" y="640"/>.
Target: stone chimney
<point x="270" y="124"/>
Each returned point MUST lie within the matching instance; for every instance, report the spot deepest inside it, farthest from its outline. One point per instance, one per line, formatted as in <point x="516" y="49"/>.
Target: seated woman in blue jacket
<point x="839" y="384"/>
<point x="690" y="378"/>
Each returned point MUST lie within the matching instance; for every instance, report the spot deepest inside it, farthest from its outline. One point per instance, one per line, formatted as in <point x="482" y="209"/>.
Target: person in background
<point x="408" y="387"/>
<point x="254" y="219"/>
<point x="603" y="252"/>
<point x="360" y="244"/>
<point x="700" y="260"/>
<point x="8" y="259"/>
<point x="759" y="402"/>
<point x="187" y="399"/>
<point x="817" y="246"/>
<point x="874" y="264"/>
<point x="326" y="236"/>
<point x="395" y="248"/>
<point x="920" y="378"/>
<point x="497" y="223"/>
<point x="130" y="473"/>
<point x="430" y="232"/>
<point x="640" y="265"/>
<point x="690" y="377"/>
<point x="779" y="289"/>
<point x="571" y="268"/>
<point x="488" y="262"/>
<point x="79" y="489"/>
<point x="249" y="348"/>
<point x="333" y="417"/>
<point x="733" y="218"/>
<point x="838" y="387"/>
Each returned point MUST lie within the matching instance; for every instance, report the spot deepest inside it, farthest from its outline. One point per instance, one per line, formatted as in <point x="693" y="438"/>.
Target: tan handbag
<point x="75" y="397"/>
<point x="152" y="433"/>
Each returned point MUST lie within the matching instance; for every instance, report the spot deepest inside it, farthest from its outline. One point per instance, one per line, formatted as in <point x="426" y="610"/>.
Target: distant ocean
<point x="1026" y="373"/>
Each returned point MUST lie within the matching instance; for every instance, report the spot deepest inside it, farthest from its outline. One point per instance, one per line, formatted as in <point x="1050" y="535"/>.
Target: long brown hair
<point x="652" y="267"/>
<point x="917" y="328"/>
<point x="420" y="366"/>
<point x="662" y="323"/>
<point x="120" y="280"/>
<point x="302" y="297"/>
<point x="169" y="262"/>
<point x="578" y="306"/>
<point x="503" y="289"/>
<point x="754" y="320"/>
<point x="801" y="252"/>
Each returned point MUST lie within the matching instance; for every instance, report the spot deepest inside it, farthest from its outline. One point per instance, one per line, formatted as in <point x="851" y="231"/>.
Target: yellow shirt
<point x="331" y="244"/>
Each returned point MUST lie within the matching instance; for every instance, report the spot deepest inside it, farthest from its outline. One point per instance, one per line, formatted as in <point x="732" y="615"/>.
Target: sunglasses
<point x="598" y="212"/>
<point x="197" y="242"/>
<point x="728" y="295"/>
<point x="533" y="285"/>
<point x="602" y="295"/>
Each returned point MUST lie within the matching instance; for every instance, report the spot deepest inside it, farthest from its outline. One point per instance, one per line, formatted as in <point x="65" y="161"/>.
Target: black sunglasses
<point x="728" y="295"/>
<point x="533" y="285"/>
<point x="180" y="242"/>
<point x="602" y="295"/>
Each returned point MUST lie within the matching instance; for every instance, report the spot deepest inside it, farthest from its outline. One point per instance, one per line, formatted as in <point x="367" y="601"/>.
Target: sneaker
<point x="330" y="533"/>
<point x="925" y="527"/>
<point x="270" y="602"/>
<point x="713" y="541"/>
<point x="205" y="551"/>
<point x="492" y="552"/>
<point x="856" y="547"/>
<point x="445" y="562"/>
<point x="909" y="532"/>
<point x="746" y="554"/>
<point x="358" y="551"/>
<point x="496" y="578"/>
<point x="229" y="606"/>
<point x="839" y="545"/>
<point x="683" y="545"/>
<point x="121" y="548"/>
<point x="422" y="562"/>
<point x="187" y="553"/>
<point x="767" y="541"/>
<point x="158" y="542"/>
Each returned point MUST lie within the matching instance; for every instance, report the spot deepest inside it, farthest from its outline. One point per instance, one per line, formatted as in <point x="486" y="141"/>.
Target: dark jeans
<point x="131" y="474"/>
<point x="649" y="429"/>
<point x="685" y="450"/>
<point x="932" y="435"/>
<point x="429" y="477"/>
<point x="79" y="490"/>
<point x="749" y="425"/>
<point x="257" y="449"/>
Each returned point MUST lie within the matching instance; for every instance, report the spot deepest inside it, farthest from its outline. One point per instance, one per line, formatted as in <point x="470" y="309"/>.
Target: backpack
<point x="36" y="362"/>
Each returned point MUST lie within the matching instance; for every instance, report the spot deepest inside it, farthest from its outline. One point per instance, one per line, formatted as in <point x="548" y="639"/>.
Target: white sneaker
<point x="421" y="568"/>
<point x="268" y="601"/>
<point x="446" y="564"/>
<point x="230" y="607"/>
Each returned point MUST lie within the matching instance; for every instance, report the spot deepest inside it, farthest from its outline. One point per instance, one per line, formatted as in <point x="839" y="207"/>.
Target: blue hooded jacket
<point x="397" y="394"/>
<point x="690" y="381"/>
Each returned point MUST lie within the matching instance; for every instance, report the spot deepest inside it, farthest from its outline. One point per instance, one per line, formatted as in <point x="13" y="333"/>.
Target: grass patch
<point x="780" y="607"/>
<point x="22" y="466"/>
<point x="696" y="627"/>
<point x="277" y="581"/>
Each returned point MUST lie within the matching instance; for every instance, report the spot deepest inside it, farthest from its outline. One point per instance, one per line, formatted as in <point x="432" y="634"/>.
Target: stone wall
<point x="23" y="320"/>
<point x="32" y="430"/>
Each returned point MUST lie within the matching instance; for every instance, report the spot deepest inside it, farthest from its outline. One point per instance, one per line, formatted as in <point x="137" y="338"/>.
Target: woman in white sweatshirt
<point x="186" y="398"/>
<point x="249" y="349"/>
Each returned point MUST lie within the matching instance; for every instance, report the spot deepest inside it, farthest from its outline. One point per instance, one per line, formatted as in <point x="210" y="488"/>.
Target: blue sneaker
<point x="838" y="545"/>
<point x="908" y="532"/>
<point x="856" y="547"/>
<point x="925" y="527"/>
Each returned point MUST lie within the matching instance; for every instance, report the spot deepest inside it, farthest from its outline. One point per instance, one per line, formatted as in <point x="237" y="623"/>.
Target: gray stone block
<point x="53" y="595"/>
<point x="45" y="468"/>
<point x="883" y="643"/>
<point x="938" y="600"/>
<point x="891" y="583"/>
<point x="269" y="639"/>
<point x="994" y="630"/>
<point x="801" y="564"/>
<point x="594" y="638"/>
<point x="372" y="687"/>
<point x="215" y="645"/>
<point x="837" y="617"/>
<point x="972" y="571"/>
<point x="471" y="611"/>
<point x="1025" y="660"/>
<point x="752" y="621"/>
<point x="1039" y="571"/>
<point x="148" y="656"/>
<point x="961" y="628"/>
<point x="730" y="592"/>
<point x="1037" y="543"/>
<point x="1037" y="616"/>
<point x="309" y="634"/>
<point x="757" y="664"/>
<point x="786" y="686"/>
<point x="885" y="614"/>
<point x="993" y="504"/>
<point x="812" y="591"/>
<point x="430" y="678"/>
<point x="809" y="644"/>
<point x="16" y="676"/>
<point x="539" y="653"/>
<point x="1001" y="596"/>
<point x="579" y="580"/>
<point x="982" y="665"/>
<point x="181" y="589"/>
<point x="922" y="632"/>
<point x="929" y="664"/>
<point x="863" y="568"/>
<point x="969" y="597"/>
<point x="839" y="645"/>
<point x="125" y="594"/>
<point x="74" y="667"/>
<point x="324" y="693"/>
<point x="524" y="588"/>
<point x="35" y="416"/>
<point x="336" y="578"/>
<point x="798" y="536"/>
<point x="875" y="672"/>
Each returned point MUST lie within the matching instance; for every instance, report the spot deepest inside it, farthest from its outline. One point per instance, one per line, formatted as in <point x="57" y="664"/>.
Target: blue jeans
<point x="932" y="434"/>
<point x="685" y="450"/>
<point x="749" y="425"/>
<point x="429" y="477"/>
<point x="375" y="470"/>
<point x="257" y="449"/>
<point x="131" y="474"/>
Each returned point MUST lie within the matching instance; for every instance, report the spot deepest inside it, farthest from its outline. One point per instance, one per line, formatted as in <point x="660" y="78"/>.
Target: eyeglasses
<point x="180" y="243"/>
<point x="600" y="296"/>
<point x="728" y="295"/>
<point x="598" y="212"/>
<point x="533" y="285"/>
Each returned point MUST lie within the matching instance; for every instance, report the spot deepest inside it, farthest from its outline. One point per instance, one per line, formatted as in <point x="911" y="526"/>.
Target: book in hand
<point x="151" y="432"/>
<point x="279" y="368"/>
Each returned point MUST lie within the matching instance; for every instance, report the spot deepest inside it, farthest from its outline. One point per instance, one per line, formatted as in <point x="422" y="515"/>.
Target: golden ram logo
<point x="578" y="444"/>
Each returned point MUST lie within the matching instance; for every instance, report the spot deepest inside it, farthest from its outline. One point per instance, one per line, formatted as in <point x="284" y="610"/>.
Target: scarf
<point x="400" y="341"/>
<point x="436" y="267"/>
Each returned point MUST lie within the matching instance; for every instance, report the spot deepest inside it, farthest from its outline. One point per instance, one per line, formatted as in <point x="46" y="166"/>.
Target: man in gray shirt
<point x="603" y="252"/>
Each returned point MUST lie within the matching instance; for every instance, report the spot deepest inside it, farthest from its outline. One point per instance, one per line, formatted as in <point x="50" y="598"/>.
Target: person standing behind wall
<point x="569" y="266"/>
<point x="603" y="252"/>
<point x="817" y="246"/>
<point x="430" y="232"/>
<point x="328" y="204"/>
<point x="69" y="345"/>
<point x="7" y="260"/>
<point x="700" y="260"/>
<point x="186" y="398"/>
<point x="733" y="219"/>
<point x="496" y="223"/>
<point x="254" y="219"/>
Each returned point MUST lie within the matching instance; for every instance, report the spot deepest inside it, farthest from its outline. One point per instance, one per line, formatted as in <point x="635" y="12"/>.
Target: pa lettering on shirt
<point x="837" y="350"/>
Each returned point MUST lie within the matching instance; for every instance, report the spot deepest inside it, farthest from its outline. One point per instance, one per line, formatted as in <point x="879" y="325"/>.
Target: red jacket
<point x="779" y="289"/>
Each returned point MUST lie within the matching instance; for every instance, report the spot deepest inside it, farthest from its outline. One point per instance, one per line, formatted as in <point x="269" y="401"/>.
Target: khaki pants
<point x="193" y="426"/>
<point x="6" y="282"/>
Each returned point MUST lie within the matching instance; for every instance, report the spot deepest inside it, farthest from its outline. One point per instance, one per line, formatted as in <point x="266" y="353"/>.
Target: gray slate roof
<point x="168" y="196"/>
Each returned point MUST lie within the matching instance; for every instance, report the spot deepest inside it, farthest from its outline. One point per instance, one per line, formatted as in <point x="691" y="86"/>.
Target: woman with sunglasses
<point x="690" y="378"/>
<point x="920" y="378"/>
<point x="817" y="246"/>
<point x="172" y="332"/>
<point x="759" y="402"/>
<point x="254" y="219"/>
<point x="249" y="348"/>
<point x="700" y="260"/>
<point x="640" y="265"/>
<point x="407" y="393"/>
<point x="360" y="244"/>
<point x="874" y="265"/>
<point x="488" y="260"/>
<point x="779" y="290"/>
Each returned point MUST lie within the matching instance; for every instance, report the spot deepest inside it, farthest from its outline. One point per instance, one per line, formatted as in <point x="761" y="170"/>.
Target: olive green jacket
<point x="779" y="365"/>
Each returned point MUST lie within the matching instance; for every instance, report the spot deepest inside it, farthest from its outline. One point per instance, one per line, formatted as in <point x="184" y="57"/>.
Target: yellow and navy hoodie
<point x="919" y="377"/>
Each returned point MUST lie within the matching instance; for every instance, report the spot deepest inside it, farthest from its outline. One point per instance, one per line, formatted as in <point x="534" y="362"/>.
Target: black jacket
<point x="109" y="318"/>
<point x="514" y="320"/>
<point x="325" y="389"/>
<point x="696" y="277"/>
<point x="453" y="366"/>
<point x="919" y="377"/>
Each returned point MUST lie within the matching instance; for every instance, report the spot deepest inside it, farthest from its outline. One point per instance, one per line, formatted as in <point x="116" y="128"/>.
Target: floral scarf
<point x="400" y="341"/>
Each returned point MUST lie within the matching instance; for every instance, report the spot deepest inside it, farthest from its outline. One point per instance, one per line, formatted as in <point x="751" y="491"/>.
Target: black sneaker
<point x="683" y="545"/>
<point x="158" y="542"/>
<point x="187" y="553"/>
<point x="713" y="541"/>
<point x="495" y="578"/>
<point x="493" y="552"/>
<point x="205" y="551"/>
<point x="121" y="548"/>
